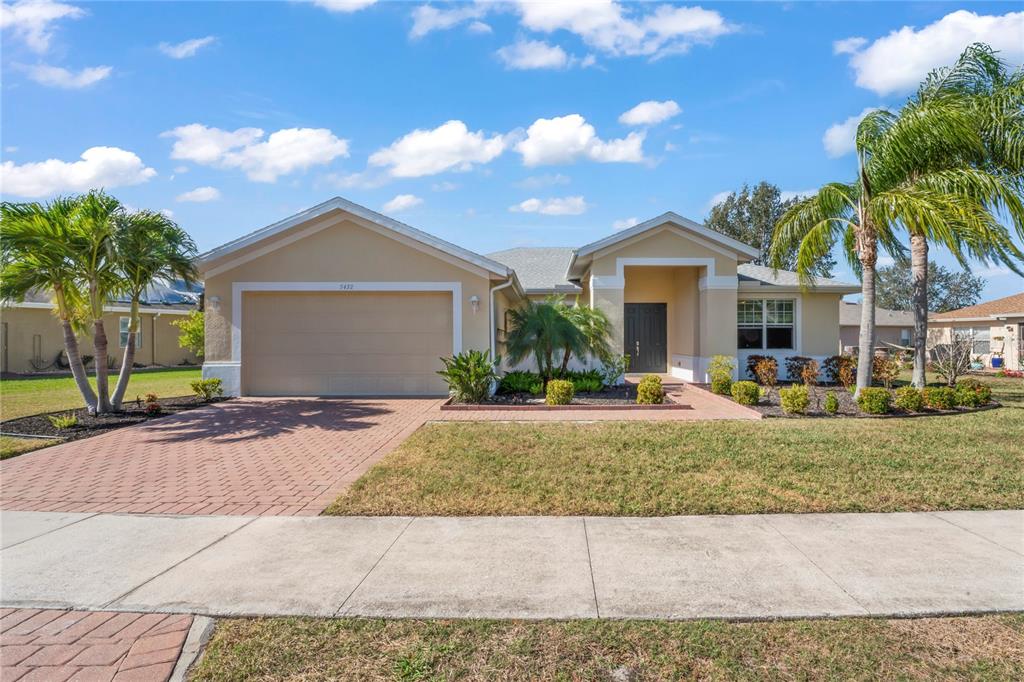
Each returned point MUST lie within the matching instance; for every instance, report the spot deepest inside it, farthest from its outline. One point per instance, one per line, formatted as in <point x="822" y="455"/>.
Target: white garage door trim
<point x="239" y="288"/>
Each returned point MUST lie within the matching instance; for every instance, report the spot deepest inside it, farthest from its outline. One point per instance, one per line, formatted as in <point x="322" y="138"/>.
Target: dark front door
<point x="646" y="337"/>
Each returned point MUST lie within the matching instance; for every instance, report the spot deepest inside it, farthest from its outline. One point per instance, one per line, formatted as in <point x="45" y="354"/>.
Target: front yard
<point x="968" y="461"/>
<point x="990" y="647"/>
<point x="26" y="396"/>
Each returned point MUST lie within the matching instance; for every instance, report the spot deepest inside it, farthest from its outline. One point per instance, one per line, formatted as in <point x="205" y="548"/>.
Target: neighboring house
<point x="996" y="329"/>
<point x="341" y="300"/>
<point x="33" y="339"/>
<point x="895" y="327"/>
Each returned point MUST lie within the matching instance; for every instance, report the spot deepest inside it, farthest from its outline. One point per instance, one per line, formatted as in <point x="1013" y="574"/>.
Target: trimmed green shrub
<point x="939" y="397"/>
<point x="746" y="392"/>
<point x="720" y="370"/>
<point x="831" y="403"/>
<point x="207" y="389"/>
<point x="841" y="369"/>
<point x="560" y="392"/>
<point x="909" y="398"/>
<point x="649" y="391"/>
<point x="795" y="399"/>
<point x="875" y="400"/>
<point x="469" y="375"/>
<point x="519" y="382"/>
<point x="982" y="393"/>
<point x="63" y="421"/>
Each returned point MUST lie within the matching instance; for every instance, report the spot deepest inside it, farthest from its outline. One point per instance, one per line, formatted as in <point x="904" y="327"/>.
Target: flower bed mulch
<point x="93" y="425"/>
<point x="611" y="398"/>
<point x="770" y="406"/>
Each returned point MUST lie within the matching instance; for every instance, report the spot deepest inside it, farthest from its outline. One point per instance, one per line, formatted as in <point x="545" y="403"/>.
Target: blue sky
<point x="490" y="125"/>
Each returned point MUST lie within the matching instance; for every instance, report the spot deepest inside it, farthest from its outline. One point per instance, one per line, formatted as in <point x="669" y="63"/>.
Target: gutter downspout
<point x="493" y="330"/>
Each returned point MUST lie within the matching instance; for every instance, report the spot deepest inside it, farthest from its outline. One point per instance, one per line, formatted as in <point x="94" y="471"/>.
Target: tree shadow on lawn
<point x="242" y="420"/>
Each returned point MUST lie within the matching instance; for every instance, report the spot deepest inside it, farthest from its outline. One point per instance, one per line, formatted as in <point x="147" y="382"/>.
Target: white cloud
<point x="718" y="198"/>
<point x="30" y="20"/>
<point x="343" y="6"/>
<point x="427" y="18"/>
<point x="450" y="146"/>
<point x="284" y="152"/>
<point x="669" y="147"/>
<point x="841" y="138"/>
<point x="539" y="181"/>
<point x="200" y="195"/>
<point x="364" y="180"/>
<point x="625" y="223"/>
<point x="167" y="212"/>
<point x="617" y="30"/>
<point x="849" y="45"/>
<point x="563" y="206"/>
<point x="11" y="149"/>
<point x="479" y="28"/>
<point x="900" y="60"/>
<point x="57" y="77"/>
<point x="650" y="112"/>
<point x="994" y="271"/>
<point x="402" y="202"/>
<point x="567" y="138"/>
<point x="187" y="48"/>
<point x="99" y="167"/>
<point x="444" y="186"/>
<point x="533" y="54"/>
<point x="181" y="169"/>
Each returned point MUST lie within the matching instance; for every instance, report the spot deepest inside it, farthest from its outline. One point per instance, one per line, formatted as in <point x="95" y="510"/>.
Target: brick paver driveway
<point x="287" y="456"/>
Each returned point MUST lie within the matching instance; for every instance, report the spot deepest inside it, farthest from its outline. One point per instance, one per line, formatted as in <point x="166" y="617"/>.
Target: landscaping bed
<point x="135" y="412"/>
<point x="609" y="398"/>
<point x="770" y="405"/>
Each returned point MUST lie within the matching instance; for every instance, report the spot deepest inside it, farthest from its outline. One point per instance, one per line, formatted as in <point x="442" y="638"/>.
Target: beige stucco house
<point x="32" y="337"/>
<point x="995" y="328"/>
<point x="341" y="300"/>
<point x="892" y="327"/>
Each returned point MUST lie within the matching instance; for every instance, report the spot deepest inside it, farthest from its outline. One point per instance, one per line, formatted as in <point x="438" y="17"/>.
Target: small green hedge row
<point x="831" y="403"/>
<point x="746" y="392"/>
<point x="910" y="399"/>
<point x="649" y="391"/>
<point x="560" y="392"/>
<point x="795" y="399"/>
<point x="939" y="397"/>
<point x="874" y="400"/>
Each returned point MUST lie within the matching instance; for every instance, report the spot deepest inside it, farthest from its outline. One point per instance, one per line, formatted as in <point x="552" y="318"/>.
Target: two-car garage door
<point x="345" y="343"/>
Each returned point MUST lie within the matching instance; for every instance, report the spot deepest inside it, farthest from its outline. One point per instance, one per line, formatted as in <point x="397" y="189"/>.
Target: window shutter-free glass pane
<point x="749" y="313"/>
<point x="780" y="337"/>
<point x="779" y="312"/>
<point x="750" y="337"/>
<point x="123" y="329"/>
<point x="982" y="340"/>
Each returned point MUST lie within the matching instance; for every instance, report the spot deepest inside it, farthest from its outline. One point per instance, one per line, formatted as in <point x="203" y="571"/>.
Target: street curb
<point x="198" y="635"/>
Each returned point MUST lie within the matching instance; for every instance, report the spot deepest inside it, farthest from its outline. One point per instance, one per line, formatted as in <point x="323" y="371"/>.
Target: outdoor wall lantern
<point x="474" y="302"/>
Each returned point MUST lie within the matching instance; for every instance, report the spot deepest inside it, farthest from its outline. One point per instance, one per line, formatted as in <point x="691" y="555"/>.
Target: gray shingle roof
<point x="539" y="267"/>
<point x="784" y="278"/>
<point x="849" y="314"/>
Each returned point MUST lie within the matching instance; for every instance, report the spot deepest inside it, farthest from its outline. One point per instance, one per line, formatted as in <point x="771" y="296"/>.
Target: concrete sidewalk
<point x="766" y="566"/>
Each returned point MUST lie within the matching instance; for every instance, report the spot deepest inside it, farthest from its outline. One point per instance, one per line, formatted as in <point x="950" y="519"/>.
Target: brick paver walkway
<point x="289" y="456"/>
<point x="83" y="645"/>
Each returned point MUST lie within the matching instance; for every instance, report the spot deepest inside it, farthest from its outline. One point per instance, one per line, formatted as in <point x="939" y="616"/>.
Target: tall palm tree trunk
<point x="74" y="355"/>
<point x="919" y="303"/>
<point x="102" y="371"/>
<point x="128" y="359"/>
<point x="866" y="347"/>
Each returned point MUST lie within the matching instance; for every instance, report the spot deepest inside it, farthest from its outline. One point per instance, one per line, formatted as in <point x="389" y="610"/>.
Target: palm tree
<point x="595" y="328"/>
<point x="35" y="242"/>
<point x="148" y="246"/>
<point x="927" y="171"/>
<point x="95" y="263"/>
<point x="982" y="167"/>
<point x="539" y="329"/>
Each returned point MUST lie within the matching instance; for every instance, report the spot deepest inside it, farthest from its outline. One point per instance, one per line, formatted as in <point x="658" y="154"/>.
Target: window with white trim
<point x="766" y="324"/>
<point x="980" y="338"/>
<point x="123" y="324"/>
<point x="905" y="336"/>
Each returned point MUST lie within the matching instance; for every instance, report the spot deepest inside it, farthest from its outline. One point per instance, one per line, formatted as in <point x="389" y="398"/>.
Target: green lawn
<point x="969" y="461"/>
<point x="981" y="648"/>
<point x="22" y="397"/>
